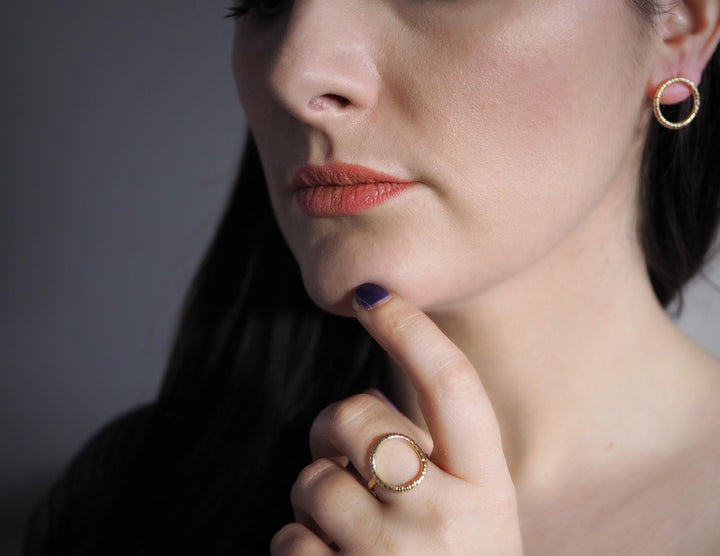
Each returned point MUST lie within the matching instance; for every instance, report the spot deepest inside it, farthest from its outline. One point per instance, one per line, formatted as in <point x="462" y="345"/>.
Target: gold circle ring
<point x="658" y="95"/>
<point x="404" y="487"/>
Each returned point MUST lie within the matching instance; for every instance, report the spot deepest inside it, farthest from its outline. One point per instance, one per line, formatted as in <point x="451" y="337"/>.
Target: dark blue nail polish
<point x="369" y="295"/>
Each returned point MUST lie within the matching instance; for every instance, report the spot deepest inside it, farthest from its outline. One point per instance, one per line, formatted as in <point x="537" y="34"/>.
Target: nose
<point x="323" y="68"/>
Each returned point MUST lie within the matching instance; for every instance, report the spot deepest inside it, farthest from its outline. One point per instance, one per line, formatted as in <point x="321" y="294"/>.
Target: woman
<point x="484" y="186"/>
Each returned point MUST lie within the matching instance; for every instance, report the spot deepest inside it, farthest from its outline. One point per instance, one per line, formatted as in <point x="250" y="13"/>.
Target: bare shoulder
<point x="701" y="463"/>
<point x="659" y="496"/>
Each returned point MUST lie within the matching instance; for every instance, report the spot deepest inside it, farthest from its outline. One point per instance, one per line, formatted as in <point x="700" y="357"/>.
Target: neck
<point x="575" y="352"/>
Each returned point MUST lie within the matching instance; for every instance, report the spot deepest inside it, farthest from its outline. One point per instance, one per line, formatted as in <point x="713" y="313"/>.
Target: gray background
<point x="120" y="136"/>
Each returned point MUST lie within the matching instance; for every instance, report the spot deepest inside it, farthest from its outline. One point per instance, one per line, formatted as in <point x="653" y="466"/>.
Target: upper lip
<point x="339" y="174"/>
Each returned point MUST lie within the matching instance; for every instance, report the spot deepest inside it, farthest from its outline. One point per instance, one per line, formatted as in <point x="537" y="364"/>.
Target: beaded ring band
<point x="404" y="487"/>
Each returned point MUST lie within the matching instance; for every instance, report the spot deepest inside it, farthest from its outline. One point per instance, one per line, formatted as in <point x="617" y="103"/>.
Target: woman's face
<point x="517" y="122"/>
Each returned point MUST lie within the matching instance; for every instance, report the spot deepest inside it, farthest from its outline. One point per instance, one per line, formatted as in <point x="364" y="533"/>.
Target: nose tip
<point x="323" y="70"/>
<point x="326" y="88"/>
<point x="324" y="83"/>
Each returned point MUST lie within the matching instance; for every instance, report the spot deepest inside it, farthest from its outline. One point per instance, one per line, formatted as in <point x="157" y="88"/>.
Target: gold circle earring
<point x="658" y="95"/>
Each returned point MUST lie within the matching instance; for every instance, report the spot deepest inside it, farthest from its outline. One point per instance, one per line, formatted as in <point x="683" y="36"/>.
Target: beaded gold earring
<point x="658" y="95"/>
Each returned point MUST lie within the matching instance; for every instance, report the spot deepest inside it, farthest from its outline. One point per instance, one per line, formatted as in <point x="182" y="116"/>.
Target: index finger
<point x="452" y="399"/>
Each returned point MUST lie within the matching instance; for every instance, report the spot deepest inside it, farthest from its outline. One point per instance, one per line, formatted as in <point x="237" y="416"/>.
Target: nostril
<point x="339" y="100"/>
<point x="326" y="101"/>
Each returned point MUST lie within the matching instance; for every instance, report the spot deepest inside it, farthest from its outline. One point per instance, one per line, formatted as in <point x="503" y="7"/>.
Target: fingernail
<point x="369" y="295"/>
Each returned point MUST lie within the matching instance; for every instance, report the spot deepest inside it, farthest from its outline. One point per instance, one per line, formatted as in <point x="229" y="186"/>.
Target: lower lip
<point x="344" y="200"/>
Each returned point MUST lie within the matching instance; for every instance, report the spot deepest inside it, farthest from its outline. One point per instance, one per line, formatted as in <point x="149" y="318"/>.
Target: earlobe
<point x="689" y="32"/>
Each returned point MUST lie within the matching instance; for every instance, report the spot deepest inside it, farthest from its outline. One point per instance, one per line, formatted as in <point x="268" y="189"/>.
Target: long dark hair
<point x="679" y="193"/>
<point x="679" y="197"/>
<point x="255" y="360"/>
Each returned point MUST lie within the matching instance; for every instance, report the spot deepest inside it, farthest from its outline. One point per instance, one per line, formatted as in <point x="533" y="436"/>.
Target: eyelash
<point x="259" y="8"/>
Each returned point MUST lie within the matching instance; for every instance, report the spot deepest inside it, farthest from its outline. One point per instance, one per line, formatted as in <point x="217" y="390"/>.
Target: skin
<point x="558" y="402"/>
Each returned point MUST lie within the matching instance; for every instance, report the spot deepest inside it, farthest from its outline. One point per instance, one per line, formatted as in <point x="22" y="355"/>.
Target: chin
<point x="331" y="276"/>
<point x="333" y="295"/>
<point x="334" y="291"/>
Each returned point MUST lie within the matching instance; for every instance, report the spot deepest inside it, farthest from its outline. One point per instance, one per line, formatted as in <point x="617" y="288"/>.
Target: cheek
<point x="534" y="118"/>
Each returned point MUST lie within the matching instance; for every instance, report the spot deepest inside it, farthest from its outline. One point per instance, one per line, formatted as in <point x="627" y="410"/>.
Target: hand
<point x="466" y="503"/>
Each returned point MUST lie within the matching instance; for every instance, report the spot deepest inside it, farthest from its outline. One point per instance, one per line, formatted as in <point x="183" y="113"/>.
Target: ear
<point x="688" y="32"/>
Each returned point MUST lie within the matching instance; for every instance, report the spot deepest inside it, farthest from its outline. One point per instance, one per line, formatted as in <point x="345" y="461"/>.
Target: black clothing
<point x="79" y="500"/>
<point x="130" y="493"/>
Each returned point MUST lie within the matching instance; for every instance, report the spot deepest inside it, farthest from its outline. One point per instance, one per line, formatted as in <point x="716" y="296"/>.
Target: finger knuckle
<point x="452" y="376"/>
<point x="444" y="524"/>
<point x="351" y="414"/>
<point x="452" y="517"/>
<point x="309" y="480"/>
<point x="402" y="322"/>
<point x="292" y="539"/>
